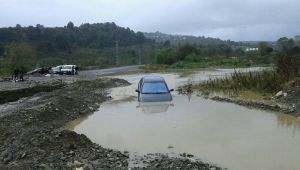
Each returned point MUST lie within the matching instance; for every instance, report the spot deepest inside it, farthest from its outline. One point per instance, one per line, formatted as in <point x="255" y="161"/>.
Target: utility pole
<point x="117" y="52"/>
<point x="140" y="57"/>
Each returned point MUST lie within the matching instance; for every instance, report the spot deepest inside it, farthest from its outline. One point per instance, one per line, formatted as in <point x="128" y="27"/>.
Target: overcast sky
<point x="226" y="19"/>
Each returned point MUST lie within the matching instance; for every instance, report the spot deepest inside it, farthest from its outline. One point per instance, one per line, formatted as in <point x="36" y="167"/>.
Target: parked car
<point x="153" y="89"/>
<point x="42" y="70"/>
<point x="56" y="70"/>
<point x="69" y="69"/>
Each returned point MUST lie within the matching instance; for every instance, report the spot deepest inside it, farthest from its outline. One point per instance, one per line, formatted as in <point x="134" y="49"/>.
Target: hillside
<point x="86" y="45"/>
<point x="186" y="39"/>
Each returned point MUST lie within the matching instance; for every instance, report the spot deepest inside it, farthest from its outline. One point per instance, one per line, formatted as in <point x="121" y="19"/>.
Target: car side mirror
<point x="137" y="91"/>
<point x="171" y="90"/>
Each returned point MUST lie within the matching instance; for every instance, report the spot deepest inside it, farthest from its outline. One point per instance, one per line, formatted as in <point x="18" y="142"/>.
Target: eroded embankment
<point x="287" y="104"/>
<point x="256" y="104"/>
<point x="11" y="91"/>
<point x="30" y="137"/>
<point x="14" y="95"/>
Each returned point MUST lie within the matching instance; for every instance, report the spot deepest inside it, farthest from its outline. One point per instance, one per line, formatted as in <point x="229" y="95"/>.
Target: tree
<point x="39" y="26"/>
<point x="239" y="52"/>
<point x="264" y="48"/>
<point x="165" y="56"/>
<point x="211" y="51"/>
<point x="225" y="50"/>
<point x="167" y="44"/>
<point x="184" y="51"/>
<point x="285" y="45"/>
<point x="140" y="37"/>
<point x="297" y="40"/>
<point x="70" y="25"/>
<point x="20" y="56"/>
<point x="288" y="62"/>
<point x="2" y="49"/>
<point x="192" y="58"/>
<point x="18" y="26"/>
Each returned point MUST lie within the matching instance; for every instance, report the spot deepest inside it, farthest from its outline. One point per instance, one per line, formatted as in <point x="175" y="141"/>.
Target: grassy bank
<point x="188" y="68"/>
<point x="257" y="86"/>
<point x="265" y="81"/>
<point x="206" y="63"/>
<point x="220" y="62"/>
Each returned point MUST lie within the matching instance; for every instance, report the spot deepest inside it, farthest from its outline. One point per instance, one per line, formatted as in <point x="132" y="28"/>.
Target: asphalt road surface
<point x="94" y="73"/>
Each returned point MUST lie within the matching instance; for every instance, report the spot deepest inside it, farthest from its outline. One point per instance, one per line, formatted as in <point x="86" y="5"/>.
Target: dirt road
<point x="95" y="73"/>
<point x="30" y="135"/>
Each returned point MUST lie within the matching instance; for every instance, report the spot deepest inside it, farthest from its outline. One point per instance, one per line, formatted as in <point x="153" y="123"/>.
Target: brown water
<point x="226" y="134"/>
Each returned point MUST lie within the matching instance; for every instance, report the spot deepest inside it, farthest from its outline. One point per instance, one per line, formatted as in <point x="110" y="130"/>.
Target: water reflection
<point x="229" y="135"/>
<point x="154" y="107"/>
<point x="288" y="122"/>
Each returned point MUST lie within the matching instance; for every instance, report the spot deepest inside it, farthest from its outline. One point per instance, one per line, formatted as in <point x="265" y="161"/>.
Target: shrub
<point x="266" y="81"/>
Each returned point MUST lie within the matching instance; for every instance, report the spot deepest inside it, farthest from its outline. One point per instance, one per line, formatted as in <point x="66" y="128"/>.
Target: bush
<point x="288" y="65"/>
<point x="192" y="58"/>
<point x="266" y="81"/>
<point x="165" y="56"/>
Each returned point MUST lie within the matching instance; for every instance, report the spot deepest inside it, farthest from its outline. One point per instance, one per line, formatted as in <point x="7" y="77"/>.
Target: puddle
<point x="226" y="134"/>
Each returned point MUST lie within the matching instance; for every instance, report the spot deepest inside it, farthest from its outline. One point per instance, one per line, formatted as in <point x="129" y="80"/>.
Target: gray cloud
<point x="226" y="19"/>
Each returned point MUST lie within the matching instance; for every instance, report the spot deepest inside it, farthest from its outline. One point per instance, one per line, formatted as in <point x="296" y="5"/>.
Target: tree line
<point x="98" y="45"/>
<point x="265" y="53"/>
<point x="86" y="45"/>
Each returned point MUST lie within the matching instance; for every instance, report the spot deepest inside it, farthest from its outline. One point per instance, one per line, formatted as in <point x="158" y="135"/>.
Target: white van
<point x="68" y="69"/>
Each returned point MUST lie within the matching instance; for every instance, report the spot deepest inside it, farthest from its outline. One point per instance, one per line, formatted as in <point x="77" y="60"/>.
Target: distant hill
<point x="186" y="39"/>
<point x="86" y="35"/>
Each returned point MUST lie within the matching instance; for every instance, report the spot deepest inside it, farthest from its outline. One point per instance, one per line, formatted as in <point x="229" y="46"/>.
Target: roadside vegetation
<point x="87" y="46"/>
<point x="282" y="76"/>
<point x="102" y="45"/>
<point x="221" y="55"/>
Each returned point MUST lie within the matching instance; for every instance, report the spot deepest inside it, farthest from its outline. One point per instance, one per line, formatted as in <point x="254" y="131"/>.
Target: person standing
<point x="16" y="72"/>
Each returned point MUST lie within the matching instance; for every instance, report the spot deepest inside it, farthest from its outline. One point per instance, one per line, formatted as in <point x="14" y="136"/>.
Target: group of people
<point x="17" y="76"/>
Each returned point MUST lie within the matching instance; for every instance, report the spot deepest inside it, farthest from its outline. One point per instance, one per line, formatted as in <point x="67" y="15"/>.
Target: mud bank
<point x="289" y="104"/>
<point x="293" y="98"/>
<point x="256" y="105"/>
<point x="14" y="95"/>
<point x="163" y="161"/>
<point x="12" y="91"/>
<point x="31" y="135"/>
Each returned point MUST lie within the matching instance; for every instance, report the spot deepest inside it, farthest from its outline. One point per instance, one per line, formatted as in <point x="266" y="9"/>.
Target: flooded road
<point x="226" y="134"/>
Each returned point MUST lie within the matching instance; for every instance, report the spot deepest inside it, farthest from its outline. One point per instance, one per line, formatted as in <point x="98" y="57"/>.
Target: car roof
<point x="67" y="65"/>
<point x="153" y="79"/>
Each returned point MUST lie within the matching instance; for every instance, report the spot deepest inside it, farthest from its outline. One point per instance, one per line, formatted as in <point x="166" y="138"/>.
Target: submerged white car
<point x="153" y="89"/>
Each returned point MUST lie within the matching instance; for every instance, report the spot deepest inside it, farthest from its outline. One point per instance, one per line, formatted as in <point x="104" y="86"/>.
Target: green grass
<point x="265" y="81"/>
<point x="250" y="86"/>
<point x="204" y="63"/>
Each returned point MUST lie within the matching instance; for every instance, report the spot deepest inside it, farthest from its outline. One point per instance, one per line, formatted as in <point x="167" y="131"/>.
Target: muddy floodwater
<point x="228" y="135"/>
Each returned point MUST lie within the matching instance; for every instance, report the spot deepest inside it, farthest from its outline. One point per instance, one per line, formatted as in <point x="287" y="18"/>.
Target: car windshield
<point x="157" y="87"/>
<point x="67" y="67"/>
